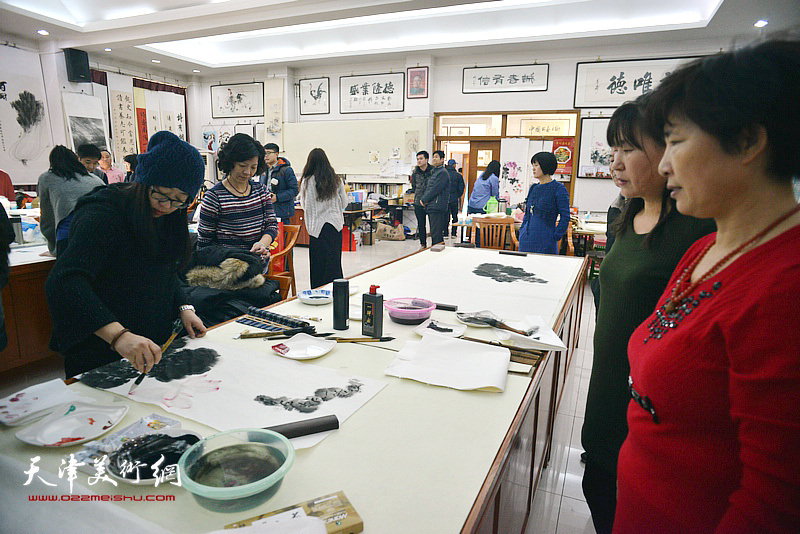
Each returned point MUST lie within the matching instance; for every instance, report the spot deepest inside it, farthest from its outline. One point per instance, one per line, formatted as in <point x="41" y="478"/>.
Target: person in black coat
<point x="456" y="190"/>
<point x="115" y="291"/>
<point x="6" y="238"/>
<point x="437" y="197"/>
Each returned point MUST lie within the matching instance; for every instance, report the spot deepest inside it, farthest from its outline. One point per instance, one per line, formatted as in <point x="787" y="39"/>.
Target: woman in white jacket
<point x="324" y="198"/>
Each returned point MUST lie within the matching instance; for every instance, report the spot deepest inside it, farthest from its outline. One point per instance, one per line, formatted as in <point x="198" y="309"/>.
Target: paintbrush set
<point x="273" y="322"/>
<point x="518" y="354"/>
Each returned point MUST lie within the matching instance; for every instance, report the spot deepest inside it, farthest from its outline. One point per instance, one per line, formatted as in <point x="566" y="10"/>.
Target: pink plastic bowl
<point x="409" y="310"/>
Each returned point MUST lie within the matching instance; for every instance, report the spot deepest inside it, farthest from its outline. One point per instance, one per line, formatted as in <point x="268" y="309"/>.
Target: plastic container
<point x="236" y="470"/>
<point x="409" y="310"/>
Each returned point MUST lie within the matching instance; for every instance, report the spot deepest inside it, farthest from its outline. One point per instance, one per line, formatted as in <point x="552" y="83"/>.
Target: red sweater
<point x="725" y="385"/>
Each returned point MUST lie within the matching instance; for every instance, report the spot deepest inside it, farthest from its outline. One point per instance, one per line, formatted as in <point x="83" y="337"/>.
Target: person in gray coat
<point x="437" y="197"/>
<point x="59" y="189"/>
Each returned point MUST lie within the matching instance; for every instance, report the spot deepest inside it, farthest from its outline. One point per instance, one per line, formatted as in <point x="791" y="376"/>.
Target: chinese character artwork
<point x="617" y="84"/>
<point x="514" y="78"/>
<point x="370" y="93"/>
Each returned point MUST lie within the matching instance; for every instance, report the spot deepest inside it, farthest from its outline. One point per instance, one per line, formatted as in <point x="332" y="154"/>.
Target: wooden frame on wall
<point x="417" y="82"/>
<point x="505" y="78"/>
<point x="315" y="96"/>
<point x="372" y="93"/>
<point x="594" y="156"/>
<point x="607" y="84"/>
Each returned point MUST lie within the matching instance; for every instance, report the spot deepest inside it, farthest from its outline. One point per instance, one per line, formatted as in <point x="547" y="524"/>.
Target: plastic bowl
<point x="409" y="310"/>
<point x="236" y="470"/>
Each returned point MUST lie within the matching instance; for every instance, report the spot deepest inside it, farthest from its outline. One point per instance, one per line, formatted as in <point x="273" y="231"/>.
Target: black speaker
<point x="77" y="65"/>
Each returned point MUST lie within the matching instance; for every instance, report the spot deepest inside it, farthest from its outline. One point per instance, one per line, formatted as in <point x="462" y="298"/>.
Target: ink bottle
<point x="341" y="304"/>
<point x="372" y="313"/>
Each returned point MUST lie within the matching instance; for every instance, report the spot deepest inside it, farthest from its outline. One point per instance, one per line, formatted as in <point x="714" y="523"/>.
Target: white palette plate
<point x="315" y="297"/>
<point x="145" y="471"/>
<point x="460" y="316"/>
<point x="305" y="347"/>
<point x="425" y="328"/>
<point x="73" y="423"/>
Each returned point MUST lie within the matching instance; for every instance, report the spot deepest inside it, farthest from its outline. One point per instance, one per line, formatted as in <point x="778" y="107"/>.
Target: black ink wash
<point x="506" y="273"/>
<point x="311" y="403"/>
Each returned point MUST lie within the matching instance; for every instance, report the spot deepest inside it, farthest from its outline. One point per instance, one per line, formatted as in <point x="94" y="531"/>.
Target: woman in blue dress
<point x="547" y="201"/>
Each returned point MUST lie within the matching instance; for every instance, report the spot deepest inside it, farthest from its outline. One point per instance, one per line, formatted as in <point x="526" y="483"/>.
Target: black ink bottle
<point x="372" y="313"/>
<point x="341" y="304"/>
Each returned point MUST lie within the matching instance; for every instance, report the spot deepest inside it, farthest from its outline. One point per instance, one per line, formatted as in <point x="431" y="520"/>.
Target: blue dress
<point x="544" y="204"/>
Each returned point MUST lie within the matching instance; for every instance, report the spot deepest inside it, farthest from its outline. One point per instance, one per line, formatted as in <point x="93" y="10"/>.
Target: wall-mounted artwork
<point x="544" y="127"/>
<point x="594" y="157"/>
<point x="315" y="96"/>
<point x="237" y="100"/>
<point x="607" y="84"/>
<point x="417" y="82"/>
<point x="371" y="93"/>
<point x="85" y="120"/>
<point x="462" y="131"/>
<point x="506" y="79"/>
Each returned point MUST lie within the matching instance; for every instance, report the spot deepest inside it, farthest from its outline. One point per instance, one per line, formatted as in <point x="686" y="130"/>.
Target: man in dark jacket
<point x="456" y="190"/>
<point x="419" y="180"/>
<point x="437" y="197"/>
<point x="6" y="238"/>
<point x="281" y="182"/>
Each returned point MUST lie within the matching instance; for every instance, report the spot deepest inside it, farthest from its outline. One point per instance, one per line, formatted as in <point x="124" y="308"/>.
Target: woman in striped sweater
<point x="237" y="211"/>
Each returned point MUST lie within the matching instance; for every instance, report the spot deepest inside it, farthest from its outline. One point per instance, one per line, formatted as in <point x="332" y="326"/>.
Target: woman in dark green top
<point x="651" y="237"/>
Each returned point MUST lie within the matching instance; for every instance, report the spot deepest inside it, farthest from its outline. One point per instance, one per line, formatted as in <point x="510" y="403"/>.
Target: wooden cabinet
<point x="299" y="218"/>
<point x="27" y="315"/>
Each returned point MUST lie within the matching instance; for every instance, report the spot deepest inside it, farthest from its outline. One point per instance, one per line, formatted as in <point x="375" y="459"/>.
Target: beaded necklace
<point x="678" y="295"/>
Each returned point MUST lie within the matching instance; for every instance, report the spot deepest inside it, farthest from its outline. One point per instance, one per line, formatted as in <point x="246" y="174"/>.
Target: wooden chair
<point x="285" y="277"/>
<point x="493" y="232"/>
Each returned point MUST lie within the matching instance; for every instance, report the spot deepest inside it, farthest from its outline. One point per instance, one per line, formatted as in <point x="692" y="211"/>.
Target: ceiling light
<point x="156" y="60"/>
<point x="43" y="32"/>
<point x="107" y="49"/>
<point x="195" y="70"/>
<point x="760" y="23"/>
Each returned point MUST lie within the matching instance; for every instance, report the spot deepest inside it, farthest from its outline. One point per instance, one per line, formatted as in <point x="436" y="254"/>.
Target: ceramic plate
<point x="432" y="326"/>
<point x="142" y="449"/>
<point x="315" y="297"/>
<point x="305" y="347"/>
<point x="73" y="423"/>
<point x="461" y="316"/>
<point x="355" y="312"/>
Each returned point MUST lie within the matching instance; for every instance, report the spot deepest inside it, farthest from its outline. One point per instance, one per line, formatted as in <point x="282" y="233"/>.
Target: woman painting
<point x="237" y="211"/>
<point x="486" y="186"/>
<point x="714" y="428"/>
<point x="114" y="291"/>
<point x="59" y="189"/>
<point x="324" y="198"/>
<point x="651" y="237"/>
<point x="547" y="201"/>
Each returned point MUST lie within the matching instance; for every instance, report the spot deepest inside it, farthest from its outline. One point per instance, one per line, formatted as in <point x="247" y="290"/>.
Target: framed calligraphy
<point x="607" y="84"/>
<point x="506" y="79"/>
<point x="371" y="93"/>
<point x="315" y="96"/>
<point x="237" y="100"/>
<point x="417" y="82"/>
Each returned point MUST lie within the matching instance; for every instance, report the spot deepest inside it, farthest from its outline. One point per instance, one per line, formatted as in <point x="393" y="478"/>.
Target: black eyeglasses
<point x="644" y="402"/>
<point x="164" y="199"/>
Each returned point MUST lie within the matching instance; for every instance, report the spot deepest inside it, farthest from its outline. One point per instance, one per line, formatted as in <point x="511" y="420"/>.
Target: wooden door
<point x="478" y="159"/>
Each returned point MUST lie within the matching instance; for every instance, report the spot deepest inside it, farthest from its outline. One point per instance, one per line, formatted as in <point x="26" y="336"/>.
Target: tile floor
<point x="559" y="506"/>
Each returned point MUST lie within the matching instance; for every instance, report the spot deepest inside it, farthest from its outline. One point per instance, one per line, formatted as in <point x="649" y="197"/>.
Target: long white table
<point x="415" y="458"/>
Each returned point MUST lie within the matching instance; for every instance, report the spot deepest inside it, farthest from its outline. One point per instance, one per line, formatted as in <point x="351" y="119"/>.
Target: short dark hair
<point x="423" y="153"/>
<point x="629" y="123"/>
<point x="439" y="153"/>
<point x="89" y="150"/>
<point x="240" y="147"/>
<point x="131" y="159"/>
<point x="272" y="147"/>
<point x="547" y="162"/>
<point x="728" y="95"/>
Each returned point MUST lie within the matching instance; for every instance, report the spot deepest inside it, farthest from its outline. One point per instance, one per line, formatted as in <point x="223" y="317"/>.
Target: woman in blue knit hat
<point x="114" y="291"/>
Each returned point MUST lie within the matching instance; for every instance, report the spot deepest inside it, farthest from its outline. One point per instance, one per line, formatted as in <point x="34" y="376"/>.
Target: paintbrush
<point x="247" y="334"/>
<point x="484" y="318"/>
<point x="360" y="339"/>
<point x="176" y="327"/>
<point x="320" y="334"/>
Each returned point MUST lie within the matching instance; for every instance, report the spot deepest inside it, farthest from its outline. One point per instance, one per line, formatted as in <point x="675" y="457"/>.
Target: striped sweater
<point x="232" y="221"/>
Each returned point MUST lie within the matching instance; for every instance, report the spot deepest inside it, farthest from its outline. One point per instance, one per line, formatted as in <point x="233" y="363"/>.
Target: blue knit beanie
<point x="170" y="162"/>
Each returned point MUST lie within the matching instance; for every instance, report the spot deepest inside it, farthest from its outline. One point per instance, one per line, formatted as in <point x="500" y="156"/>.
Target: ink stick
<point x="341" y="304"/>
<point x="513" y="253"/>
<point x="372" y="313"/>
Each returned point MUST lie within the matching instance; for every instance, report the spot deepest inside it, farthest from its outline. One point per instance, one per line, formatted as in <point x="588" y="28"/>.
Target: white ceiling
<point x="222" y="37"/>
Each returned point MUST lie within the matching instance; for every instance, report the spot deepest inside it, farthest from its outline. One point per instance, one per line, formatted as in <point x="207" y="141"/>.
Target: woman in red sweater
<point x="714" y="429"/>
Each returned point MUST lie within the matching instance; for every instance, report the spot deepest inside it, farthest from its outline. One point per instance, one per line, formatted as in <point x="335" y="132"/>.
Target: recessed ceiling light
<point x="195" y="70"/>
<point x="760" y="23"/>
<point x="43" y="32"/>
<point x="156" y="60"/>
<point x="107" y="49"/>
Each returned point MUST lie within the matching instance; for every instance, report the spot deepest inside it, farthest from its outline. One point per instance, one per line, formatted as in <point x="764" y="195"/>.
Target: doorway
<point x="480" y="154"/>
